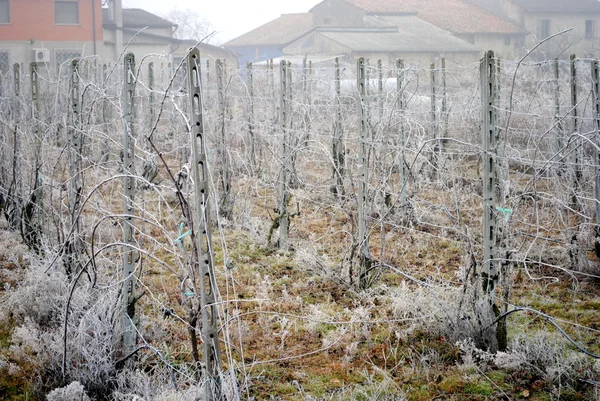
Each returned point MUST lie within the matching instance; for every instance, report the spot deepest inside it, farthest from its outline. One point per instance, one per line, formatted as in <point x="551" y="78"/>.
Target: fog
<point x="229" y="18"/>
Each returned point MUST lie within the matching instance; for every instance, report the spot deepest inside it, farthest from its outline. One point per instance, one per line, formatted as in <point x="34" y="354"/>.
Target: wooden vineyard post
<point x="434" y="122"/>
<point x="32" y="233"/>
<point x="128" y="293"/>
<point x="307" y="99"/>
<point x="444" y="112"/>
<point x="204" y="249"/>
<point x="105" y="150"/>
<point x="596" y="93"/>
<point x="380" y="94"/>
<point x="76" y="179"/>
<point x="250" y="86"/>
<point x="577" y="153"/>
<point x="226" y="202"/>
<point x="15" y="216"/>
<point x="150" y="95"/>
<point x="363" y="179"/>
<point x="382" y="137"/>
<point x="339" y="158"/>
<point x="577" y="157"/>
<point x="558" y="122"/>
<point x="400" y="83"/>
<point x="35" y="117"/>
<point x="75" y="148"/>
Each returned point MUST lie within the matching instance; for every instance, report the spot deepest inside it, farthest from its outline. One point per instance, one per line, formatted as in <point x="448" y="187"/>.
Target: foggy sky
<point x="230" y="18"/>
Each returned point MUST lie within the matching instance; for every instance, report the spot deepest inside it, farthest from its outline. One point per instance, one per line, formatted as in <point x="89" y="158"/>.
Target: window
<point x="471" y="39"/>
<point x="326" y="21"/>
<point x="64" y="57"/>
<point x="66" y="12"/>
<point x="507" y="40"/>
<point x="4" y="12"/>
<point x="543" y="28"/>
<point x="4" y="61"/>
<point x="590" y="29"/>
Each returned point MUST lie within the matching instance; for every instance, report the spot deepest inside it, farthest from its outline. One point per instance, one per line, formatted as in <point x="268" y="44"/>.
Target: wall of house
<point x="34" y="19"/>
<point x="32" y="27"/>
<point x="505" y="46"/>
<point x="256" y="53"/>
<point x="418" y="60"/>
<point x="23" y="52"/>
<point x="134" y="35"/>
<point x="146" y="51"/>
<point x="573" y="42"/>
<point x="324" y="45"/>
<point x="140" y="44"/>
<point x="337" y="13"/>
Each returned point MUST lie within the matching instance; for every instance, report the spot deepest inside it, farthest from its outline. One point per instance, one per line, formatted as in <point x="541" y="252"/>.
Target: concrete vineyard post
<point x="207" y="283"/>
<point x="489" y="276"/>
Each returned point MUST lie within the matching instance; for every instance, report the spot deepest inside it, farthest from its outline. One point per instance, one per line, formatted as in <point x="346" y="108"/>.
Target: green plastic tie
<point x="179" y="239"/>
<point x="507" y="212"/>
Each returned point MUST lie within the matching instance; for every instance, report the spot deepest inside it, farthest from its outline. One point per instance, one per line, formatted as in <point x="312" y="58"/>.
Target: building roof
<point x="559" y="5"/>
<point x="204" y="47"/>
<point x="455" y="16"/>
<point x="137" y="18"/>
<point x="401" y="34"/>
<point x="280" y="31"/>
<point x="493" y="6"/>
<point x="316" y="59"/>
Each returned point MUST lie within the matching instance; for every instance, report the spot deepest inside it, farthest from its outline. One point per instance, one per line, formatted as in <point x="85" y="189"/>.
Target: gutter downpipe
<point x="94" y="27"/>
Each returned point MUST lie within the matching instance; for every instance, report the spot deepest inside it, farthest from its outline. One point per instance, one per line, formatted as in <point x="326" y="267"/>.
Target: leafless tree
<point x="190" y="25"/>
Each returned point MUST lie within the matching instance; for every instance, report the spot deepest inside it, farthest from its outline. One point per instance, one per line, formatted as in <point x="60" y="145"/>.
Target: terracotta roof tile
<point x="559" y="5"/>
<point x="453" y="15"/>
<point x="137" y="18"/>
<point x="281" y="31"/>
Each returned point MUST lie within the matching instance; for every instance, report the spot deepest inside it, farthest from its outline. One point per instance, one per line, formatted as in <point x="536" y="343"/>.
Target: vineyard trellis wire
<point x="377" y="158"/>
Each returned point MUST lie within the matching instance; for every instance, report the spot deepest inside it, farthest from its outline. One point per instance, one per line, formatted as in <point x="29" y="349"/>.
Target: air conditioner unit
<point x="41" y="55"/>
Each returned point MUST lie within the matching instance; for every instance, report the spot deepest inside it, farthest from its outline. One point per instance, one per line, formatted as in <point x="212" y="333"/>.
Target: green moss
<point x="541" y="397"/>
<point x="285" y="389"/>
<point x="420" y="393"/>
<point x="479" y="387"/>
<point x="592" y="304"/>
<point x="452" y="384"/>
<point x="501" y="380"/>
<point x="317" y="385"/>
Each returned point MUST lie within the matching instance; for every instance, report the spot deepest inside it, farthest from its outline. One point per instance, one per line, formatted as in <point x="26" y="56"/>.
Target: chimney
<point x="116" y="15"/>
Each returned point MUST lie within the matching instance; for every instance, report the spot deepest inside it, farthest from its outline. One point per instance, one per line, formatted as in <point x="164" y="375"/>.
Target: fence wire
<point x="547" y="159"/>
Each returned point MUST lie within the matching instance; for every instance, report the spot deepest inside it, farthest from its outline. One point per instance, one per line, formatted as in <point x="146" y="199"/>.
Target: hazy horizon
<point x="230" y="19"/>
